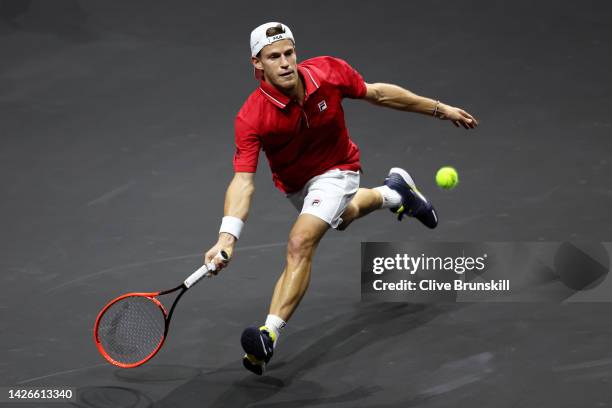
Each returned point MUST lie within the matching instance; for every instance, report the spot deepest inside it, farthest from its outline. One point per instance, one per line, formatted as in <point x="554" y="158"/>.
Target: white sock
<point x="275" y="323"/>
<point x="391" y="198"/>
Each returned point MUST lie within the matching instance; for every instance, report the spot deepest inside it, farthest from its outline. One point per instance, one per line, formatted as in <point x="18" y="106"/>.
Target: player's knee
<point x="300" y="245"/>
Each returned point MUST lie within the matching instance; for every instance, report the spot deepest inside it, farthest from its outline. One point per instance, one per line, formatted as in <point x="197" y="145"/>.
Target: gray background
<point x="115" y="149"/>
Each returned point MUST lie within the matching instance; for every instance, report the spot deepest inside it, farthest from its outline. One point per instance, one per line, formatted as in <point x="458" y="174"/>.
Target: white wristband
<point x="231" y="225"/>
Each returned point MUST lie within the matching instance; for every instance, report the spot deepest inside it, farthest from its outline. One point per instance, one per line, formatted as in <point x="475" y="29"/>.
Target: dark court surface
<point x="116" y="140"/>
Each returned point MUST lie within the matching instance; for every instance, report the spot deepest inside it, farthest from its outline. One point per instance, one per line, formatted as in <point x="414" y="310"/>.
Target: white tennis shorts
<point x="326" y="196"/>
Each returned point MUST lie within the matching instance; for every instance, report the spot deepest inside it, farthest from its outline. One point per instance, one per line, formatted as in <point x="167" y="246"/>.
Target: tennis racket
<point x="132" y="328"/>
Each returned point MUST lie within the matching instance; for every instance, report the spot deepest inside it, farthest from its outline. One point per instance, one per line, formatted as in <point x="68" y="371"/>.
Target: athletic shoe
<point x="414" y="204"/>
<point x="258" y="344"/>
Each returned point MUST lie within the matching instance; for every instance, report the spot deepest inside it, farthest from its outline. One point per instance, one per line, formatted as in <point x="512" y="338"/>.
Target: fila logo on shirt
<point x="322" y="106"/>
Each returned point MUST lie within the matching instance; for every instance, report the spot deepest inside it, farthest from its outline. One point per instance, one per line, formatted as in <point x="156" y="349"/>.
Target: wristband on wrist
<point x="231" y="225"/>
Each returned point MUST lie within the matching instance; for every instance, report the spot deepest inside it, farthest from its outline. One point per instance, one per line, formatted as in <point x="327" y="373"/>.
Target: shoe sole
<point x="408" y="179"/>
<point x="253" y="365"/>
<point x="404" y="175"/>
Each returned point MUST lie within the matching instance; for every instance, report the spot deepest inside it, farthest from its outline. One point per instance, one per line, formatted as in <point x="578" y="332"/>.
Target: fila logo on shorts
<point x="322" y="106"/>
<point x="316" y="202"/>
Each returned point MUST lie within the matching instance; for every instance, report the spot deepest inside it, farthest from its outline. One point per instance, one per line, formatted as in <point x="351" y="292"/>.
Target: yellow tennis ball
<point x="447" y="177"/>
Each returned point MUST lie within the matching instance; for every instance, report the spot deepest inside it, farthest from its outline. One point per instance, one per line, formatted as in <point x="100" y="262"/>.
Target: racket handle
<point x="204" y="270"/>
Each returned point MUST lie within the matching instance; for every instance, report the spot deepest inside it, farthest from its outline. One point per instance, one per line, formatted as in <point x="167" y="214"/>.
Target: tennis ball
<point x="447" y="177"/>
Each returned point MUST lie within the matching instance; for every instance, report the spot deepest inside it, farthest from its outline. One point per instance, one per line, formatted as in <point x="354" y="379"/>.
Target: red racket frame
<point x="195" y="277"/>
<point x="167" y="315"/>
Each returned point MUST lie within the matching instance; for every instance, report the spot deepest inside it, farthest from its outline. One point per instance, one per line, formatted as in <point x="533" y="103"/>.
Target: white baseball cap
<point x="259" y="39"/>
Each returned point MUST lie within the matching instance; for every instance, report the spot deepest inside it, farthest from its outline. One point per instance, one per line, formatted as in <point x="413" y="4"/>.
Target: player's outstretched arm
<point x="236" y="209"/>
<point x="396" y="97"/>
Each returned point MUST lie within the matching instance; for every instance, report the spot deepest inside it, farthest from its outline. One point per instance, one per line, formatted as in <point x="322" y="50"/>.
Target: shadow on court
<point x="334" y="341"/>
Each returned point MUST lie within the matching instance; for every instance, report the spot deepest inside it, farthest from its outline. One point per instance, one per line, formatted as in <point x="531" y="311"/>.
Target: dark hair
<point x="275" y="30"/>
<point x="278" y="29"/>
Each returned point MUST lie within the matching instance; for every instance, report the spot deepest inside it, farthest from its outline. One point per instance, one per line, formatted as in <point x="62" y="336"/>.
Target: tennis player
<point x="296" y="117"/>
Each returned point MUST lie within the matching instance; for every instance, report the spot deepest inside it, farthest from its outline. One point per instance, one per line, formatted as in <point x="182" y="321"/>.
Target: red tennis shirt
<point x="300" y="142"/>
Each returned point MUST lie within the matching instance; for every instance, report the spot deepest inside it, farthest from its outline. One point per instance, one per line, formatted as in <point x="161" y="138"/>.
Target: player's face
<point x="279" y="64"/>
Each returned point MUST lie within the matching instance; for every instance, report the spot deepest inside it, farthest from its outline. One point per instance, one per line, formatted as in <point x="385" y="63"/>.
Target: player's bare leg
<point x="289" y="290"/>
<point x="365" y="201"/>
<point x="292" y="284"/>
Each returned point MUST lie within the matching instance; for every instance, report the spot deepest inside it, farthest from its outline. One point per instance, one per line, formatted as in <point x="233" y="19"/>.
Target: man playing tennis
<point x="296" y="117"/>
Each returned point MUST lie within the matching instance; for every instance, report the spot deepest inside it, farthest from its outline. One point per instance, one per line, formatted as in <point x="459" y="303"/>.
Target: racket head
<point x="131" y="329"/>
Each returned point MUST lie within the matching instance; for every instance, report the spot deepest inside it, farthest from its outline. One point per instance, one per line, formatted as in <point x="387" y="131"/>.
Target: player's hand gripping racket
<point x="132" y="328"/>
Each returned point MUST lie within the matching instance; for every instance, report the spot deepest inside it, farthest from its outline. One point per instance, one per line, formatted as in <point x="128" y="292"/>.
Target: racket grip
<point x="204" y="270"/>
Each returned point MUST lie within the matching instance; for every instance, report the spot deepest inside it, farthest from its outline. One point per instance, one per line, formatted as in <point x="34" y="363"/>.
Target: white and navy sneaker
<point x="258" y="344"/>
<point x="414" y="204"/>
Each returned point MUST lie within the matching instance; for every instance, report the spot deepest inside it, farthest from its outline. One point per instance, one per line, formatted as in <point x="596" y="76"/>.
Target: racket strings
<point x="131" y="329"/>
